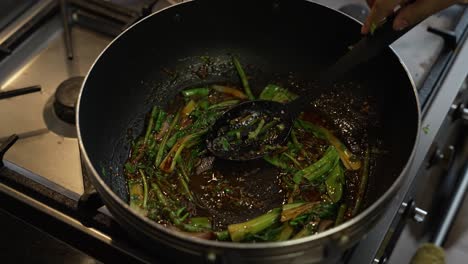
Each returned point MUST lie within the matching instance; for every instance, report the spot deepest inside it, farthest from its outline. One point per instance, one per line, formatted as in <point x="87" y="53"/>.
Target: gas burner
<point x="66" y="96"/>
<point x="59" y="111"/>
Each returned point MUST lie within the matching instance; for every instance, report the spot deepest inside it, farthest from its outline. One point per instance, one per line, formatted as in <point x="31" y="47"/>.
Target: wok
<point x="283" y="40"/>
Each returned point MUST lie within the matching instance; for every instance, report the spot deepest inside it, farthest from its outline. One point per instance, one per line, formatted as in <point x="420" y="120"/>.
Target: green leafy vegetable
<point x="276" y="93"/>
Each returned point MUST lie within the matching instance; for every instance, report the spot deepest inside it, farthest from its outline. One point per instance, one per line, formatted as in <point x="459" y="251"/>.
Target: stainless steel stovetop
<point x="48" y="146"/>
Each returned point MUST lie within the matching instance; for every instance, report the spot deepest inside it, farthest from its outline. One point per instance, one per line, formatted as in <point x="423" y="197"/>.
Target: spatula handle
<point x="367" y="48"/>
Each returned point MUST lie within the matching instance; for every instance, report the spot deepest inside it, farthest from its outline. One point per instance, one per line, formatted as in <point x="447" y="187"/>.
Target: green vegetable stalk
<point x="350" y="161"/>
<point x="335" y="183"/>
<point x="189" y="107"/>
<point x="202" y="222"/>
<point x="159" y="121"/>
<point x="317" y="172"/>
<point x="183" y="170"/>
<point x="185" y="187"/>
<point x="229" y="90"/>
<point x="267" y="126"/>
<point x="254" y="134"/>
<point x="276" y="93"/>
<point x="243" y="78"/>
<point x="341" y="214"/>
<point x="136" y="194"/>
<point x="161" y="198"/>
<point x="169" y="162"/>
<point x="239" y="231"/>
<point x="196" y="92"/>
<point x="154" y="115"/>
<point x="145" y="188"/>
<point x="275" y="161"/>
<point x="309" y="229"/>
<point x="291" y="213"/>
<point x="224" y="104"/>
<point x="362" y="184"/>
<point x="162" y="146"/>
<point x="298" y="165"/>
<point x="222" y="235"/>
<point x="286" y="232"/>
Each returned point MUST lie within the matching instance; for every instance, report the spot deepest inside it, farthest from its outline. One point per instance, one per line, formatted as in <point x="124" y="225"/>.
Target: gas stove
<point x="46" y="47"/>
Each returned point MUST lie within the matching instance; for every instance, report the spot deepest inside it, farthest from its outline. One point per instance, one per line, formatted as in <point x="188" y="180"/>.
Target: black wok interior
<point x="154" y="60"/>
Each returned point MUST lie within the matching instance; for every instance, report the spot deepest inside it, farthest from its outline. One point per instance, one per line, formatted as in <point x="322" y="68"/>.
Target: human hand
<point x="408" y="15"/>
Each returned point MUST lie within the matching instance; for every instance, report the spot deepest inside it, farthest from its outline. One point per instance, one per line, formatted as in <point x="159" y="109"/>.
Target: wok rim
<point x="96" y="177"/>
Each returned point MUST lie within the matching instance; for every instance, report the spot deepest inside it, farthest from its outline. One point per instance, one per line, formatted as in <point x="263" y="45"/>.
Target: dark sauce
<point x="196" y="184"/>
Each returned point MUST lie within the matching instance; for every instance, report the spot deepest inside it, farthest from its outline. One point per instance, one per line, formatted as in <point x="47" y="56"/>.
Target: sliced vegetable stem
<point x="341" y="214"/>
<point x="285" y="233"/>
<point x="154" y="114"/>
<point x="184" y="184"/>
<point x="243" y="77"/>
<point x="268" y="126"/>
<point x="307" y="230"/>
<point x="229" y="90"/>
<point x="239" y="231"/>
<point x="196" y="92"/>
<point x="145" y="188"/>
<point x="317" y="171"/>
<point x="183" y="170"/>
<point x="159" y="121"/>
<point x="294" y="212"/>
<point x="222" y="235"/>
<point x="350" y="161"/>
<point x="362" y="184"/>
<point x="297" y="144"/>
<point x="276" y="93"/>
<point x="275" y="161"/>
<point x="159" y="194"/>
<point x="254" y="134"/>
<point x="224" y="104"/>
<point x="189" y="107"/>
<point x="203" y="222"/>
<point x="293" y="193"/>
<point x="298" y="165"/>
<point x="169" y="162"/>
<point x="294" y="140"/>
<point x="162" y="146"/>
<point x="335" y="183"/>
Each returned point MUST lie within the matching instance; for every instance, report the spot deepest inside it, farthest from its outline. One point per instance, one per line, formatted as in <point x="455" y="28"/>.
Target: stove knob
<point x="464" y="112"/>
<point x="458" y="111"/>
<point x="452" y="113"/>
<point x="442" y="157"/>
<point x="419" y="215"/>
